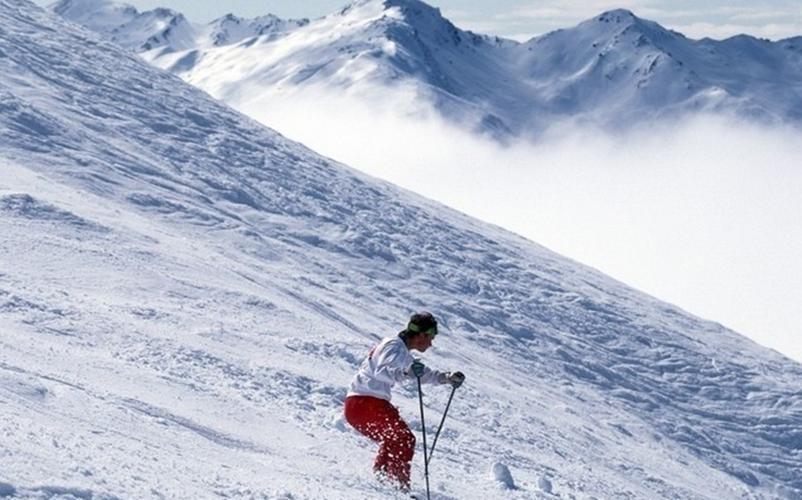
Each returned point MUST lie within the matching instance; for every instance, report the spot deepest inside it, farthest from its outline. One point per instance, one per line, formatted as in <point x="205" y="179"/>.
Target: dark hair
<point x="406" y="335"/>
<point x="419" y="323"/>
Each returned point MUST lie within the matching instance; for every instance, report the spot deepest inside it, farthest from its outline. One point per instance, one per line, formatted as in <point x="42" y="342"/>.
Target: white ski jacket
<point x="387" y="363"/>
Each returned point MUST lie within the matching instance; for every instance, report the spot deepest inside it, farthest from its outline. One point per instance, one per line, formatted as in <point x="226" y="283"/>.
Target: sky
<point x="523" y="19"/>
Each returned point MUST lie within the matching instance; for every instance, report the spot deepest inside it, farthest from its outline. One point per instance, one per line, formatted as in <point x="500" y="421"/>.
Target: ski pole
<point x="442" y="421"/>
<point x="423" y="427"/>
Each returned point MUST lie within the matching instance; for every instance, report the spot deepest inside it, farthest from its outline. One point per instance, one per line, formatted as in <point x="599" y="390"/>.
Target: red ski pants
<point x="380" y="421"/>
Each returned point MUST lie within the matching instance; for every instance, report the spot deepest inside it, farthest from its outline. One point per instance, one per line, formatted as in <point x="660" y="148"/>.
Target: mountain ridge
<point x="614" y="70"/>
<point x="166" y="30"/>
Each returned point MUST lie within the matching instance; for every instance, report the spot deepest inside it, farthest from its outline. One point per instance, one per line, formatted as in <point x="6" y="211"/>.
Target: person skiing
<point x="367" y="404"/>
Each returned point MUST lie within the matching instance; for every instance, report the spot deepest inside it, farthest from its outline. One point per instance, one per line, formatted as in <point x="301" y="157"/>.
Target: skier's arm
<point x="434" y="377"/>
<point x="395" y="365"/>
<point x="392" y="365"/>
<point x="427" y="375"/>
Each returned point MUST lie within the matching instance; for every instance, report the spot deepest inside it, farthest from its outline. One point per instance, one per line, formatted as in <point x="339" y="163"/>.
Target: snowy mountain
<point x="625" y="66"/>
<point x="615" y="70"/>
<point x="185" y="294"/>
<point x="163" y="30"/>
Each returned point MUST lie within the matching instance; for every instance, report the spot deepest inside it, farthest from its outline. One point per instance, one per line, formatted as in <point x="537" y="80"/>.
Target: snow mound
<point x="544" y="484"/>
<point x="502" y="475"/>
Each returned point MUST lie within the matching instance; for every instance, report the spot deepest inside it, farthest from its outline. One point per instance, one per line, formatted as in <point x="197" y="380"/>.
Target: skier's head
<point x="422" y="322"/>
<point x="420" y="331"/>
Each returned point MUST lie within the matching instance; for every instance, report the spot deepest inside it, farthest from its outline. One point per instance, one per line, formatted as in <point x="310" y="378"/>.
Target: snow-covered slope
<point x="614" y="70"/>
<point x="185" y="294"/>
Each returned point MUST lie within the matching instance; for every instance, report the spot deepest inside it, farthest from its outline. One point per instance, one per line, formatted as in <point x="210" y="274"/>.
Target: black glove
<point x="456" y="379"/>
<point x="417" y="368"/>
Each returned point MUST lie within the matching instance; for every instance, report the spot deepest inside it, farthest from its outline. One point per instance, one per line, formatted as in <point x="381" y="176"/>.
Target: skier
<point x="367" y="404"/>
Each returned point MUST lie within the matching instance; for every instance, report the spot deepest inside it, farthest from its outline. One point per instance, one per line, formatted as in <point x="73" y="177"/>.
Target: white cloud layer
<point x="704" y="215"/>
<point x="771" y="31"/>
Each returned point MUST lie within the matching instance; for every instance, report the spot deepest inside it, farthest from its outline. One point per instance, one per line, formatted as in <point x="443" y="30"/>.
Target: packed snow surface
<point x="185" y="294"/>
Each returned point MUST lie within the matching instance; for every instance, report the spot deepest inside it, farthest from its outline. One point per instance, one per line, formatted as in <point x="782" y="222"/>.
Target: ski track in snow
<point x="184" y="296"/>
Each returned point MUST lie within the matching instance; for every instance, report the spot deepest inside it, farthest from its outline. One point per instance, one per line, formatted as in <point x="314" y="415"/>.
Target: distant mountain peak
<point x="98" y="15"/>
<point x="231" y="28"/>
<point x="623" y="22"/>
<point x="393" y="3"/>
<point x="164" y="12"/>
<point x="618" y="16"/>
<point x="80" y="7"/>
<point x="625" y="19"/>
<point x="233" y="18"/>
<point x="410" y="4"/>
<point x="408" y="8"/>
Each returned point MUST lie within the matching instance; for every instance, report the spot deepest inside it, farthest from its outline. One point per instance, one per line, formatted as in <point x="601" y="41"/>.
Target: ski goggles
<point x="431" y="331"/>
